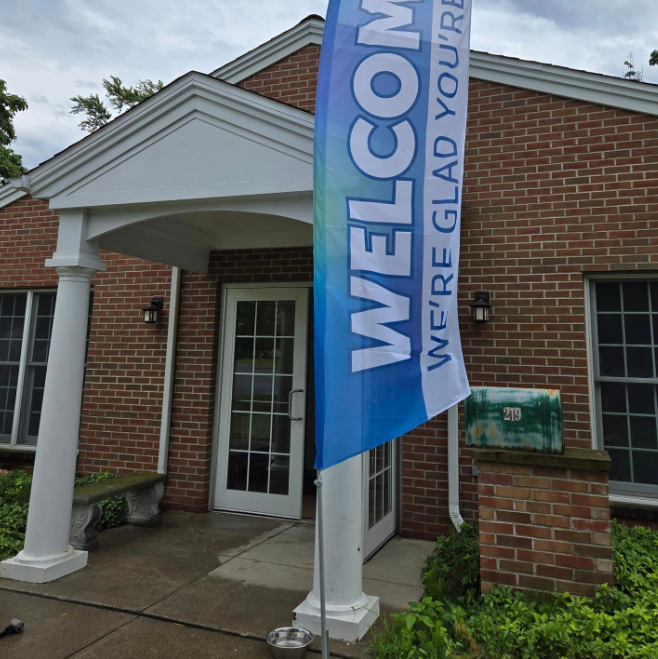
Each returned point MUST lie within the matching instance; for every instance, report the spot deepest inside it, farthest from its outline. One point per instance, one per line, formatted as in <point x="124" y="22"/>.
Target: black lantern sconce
<point x="152" y="311"/>
<point x="481" y="306"/>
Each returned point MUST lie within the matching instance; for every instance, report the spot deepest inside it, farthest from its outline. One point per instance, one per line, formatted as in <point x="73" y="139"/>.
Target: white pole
<point x="323" y="587"/>
<point x="47" y="554"/>
<point x="349" y="611"/>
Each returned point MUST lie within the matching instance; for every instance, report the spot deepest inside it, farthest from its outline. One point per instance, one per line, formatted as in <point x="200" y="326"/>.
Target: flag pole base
<point x="349" y="625"/>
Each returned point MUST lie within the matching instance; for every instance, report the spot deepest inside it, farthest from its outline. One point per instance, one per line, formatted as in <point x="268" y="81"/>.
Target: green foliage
<point x="121" y="96"/>
<point x="14" y="500"/>
<point x="620" y="623"/>
<point x="452" y="572"/>
<point x="631" y="72"/>
<point x="420" y="634"/>
<point x="11" y="164"/>
<point x="96" y="112"/>
<point x="653" y="60"/>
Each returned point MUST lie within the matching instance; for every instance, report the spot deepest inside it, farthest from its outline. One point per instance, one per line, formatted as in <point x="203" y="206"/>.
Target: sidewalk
<point x="208" y="585"/>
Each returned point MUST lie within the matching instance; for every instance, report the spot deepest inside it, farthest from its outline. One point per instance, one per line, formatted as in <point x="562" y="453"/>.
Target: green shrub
<point x="14" y="500"/>
<point x="420" y="634"/>
<point x="620" y="623"/>
<point x="452" y="572"/>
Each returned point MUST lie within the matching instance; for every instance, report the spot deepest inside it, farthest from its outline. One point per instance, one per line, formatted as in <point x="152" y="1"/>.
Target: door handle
<point x="290" y="395"/>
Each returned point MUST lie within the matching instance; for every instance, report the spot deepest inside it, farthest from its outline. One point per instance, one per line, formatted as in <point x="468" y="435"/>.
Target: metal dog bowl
<point x="289" y="642"/>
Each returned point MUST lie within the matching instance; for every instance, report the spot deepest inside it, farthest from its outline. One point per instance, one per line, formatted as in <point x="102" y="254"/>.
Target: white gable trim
<point x="534" y="76"/>
<point x="569" y="83"/>
<point x="261" y="120"/>
<point x="307" y="32"/>
<point x="9" y="194"/>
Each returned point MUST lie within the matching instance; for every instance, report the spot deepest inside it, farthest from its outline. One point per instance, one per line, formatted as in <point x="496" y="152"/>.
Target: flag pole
<point x="323" y="594"/>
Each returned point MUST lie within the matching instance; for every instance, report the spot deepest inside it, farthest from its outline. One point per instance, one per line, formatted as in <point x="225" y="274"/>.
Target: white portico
<point x="201" y="166"/>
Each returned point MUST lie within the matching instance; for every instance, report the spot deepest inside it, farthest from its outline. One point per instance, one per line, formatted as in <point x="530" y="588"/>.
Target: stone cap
<point x="572" y="458"/>
<point x="95" y="492"/>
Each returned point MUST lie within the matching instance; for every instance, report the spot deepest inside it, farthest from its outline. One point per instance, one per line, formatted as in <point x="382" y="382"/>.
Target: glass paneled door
<point x="379" y="496"/>
<point x="262" y="401"/>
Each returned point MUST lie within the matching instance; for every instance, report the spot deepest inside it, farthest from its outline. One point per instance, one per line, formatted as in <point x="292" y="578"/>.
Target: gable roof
<point x="535" y="76"/>
<point x="191" y="110"/>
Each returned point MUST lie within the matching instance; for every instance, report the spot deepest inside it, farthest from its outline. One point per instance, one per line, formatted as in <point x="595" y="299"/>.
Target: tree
<point x="97" y="113"/>
<point x="653" y="61"/>
<point x="11" y="164"/>
<point x="631" y="72"/>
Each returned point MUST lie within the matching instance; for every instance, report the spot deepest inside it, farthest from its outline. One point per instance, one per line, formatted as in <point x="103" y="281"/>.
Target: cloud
<point x="55" y="49"/>
<point x="594" y="35"/>
<point x="87" y="84"/>
<point x="594" y="16"/>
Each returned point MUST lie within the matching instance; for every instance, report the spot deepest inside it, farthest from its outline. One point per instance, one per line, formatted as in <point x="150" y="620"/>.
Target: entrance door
<point x="380" y="496"/>
<point x="263" y="382"/>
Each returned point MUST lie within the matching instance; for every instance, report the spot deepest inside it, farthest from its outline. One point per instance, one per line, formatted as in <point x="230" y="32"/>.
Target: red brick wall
<point x="122" y="402"/>
<point x="554" y="189"/>
<point x="293" y="80"/>
<point x="28" y="234"/>
<point x="544" y="528"/>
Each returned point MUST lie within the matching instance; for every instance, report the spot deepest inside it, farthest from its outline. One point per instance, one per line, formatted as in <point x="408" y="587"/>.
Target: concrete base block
<point x="43" y="569"/>
<point x="350" y="626"/>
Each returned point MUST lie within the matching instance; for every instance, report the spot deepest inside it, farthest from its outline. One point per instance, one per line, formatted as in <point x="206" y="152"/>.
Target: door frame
<point x="220" y="365"/>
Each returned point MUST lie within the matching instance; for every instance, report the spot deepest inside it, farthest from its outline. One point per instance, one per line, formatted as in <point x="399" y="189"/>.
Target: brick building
<point x="212" y="177"/>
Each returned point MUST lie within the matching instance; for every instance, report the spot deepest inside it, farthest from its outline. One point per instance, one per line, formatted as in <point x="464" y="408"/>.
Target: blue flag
<point x="389" y="166"/>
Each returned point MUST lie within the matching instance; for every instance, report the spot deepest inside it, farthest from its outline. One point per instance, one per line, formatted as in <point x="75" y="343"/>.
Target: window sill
<point x="636" y="508"/>
<point x="624" y="500"/>
<point x="17" y="451"/>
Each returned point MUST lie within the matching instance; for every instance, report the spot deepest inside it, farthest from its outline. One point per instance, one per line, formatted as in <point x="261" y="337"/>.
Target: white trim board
<point x="9" y="195"/>
<point x="535" y="76"/>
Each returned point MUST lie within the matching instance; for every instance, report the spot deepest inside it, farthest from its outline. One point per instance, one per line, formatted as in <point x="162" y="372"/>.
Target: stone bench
<point x="143" y="493"/>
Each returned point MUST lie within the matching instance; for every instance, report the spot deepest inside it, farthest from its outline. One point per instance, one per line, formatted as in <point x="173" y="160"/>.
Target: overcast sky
<point x="51" y="50"/>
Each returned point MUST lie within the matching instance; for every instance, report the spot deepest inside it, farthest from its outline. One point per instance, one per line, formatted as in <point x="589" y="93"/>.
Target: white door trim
<point x="299" y="382"/>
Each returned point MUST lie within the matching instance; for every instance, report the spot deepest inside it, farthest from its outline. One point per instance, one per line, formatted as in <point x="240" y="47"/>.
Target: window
<point x="26" y="321"/>
<point x="625" y="329"/>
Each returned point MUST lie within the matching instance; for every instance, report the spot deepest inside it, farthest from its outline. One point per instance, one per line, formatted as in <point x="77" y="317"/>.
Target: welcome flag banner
<point x="389" y="165"/>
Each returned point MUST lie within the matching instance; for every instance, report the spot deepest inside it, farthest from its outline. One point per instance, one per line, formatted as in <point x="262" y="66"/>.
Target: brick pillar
<point x="544" y="520"/>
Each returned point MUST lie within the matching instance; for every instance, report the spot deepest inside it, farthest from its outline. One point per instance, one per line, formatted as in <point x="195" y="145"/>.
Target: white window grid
<point x="20" y="423"/>
<point x="623" y="488"/>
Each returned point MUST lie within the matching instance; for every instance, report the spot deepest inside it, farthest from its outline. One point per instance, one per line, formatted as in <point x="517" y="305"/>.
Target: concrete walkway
<point x="208" y="585"/>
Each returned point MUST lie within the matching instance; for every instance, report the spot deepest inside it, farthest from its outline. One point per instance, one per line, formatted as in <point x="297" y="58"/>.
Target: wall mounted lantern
<point x="481" y="306"/>
<point x="152" y="311"/>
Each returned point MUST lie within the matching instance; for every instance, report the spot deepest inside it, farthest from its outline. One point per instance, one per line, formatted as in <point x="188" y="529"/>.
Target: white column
<point x="350" y="612"/>
<point x="47" y="554"/>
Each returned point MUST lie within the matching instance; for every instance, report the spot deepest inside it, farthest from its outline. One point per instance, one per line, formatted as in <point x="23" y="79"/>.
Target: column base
<point x="343" y="625"/>
<point x="43" y="569"/>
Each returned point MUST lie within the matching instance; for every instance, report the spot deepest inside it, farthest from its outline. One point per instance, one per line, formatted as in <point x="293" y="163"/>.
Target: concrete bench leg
<point x="144" y="506"/>
<point x="83" y="534"/>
